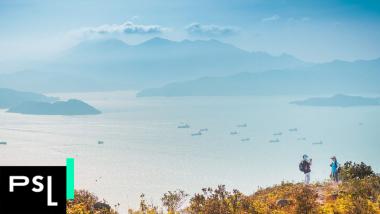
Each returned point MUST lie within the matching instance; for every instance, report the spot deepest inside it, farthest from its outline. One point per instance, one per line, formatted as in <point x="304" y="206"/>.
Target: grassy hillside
<point x="359" y="192"/>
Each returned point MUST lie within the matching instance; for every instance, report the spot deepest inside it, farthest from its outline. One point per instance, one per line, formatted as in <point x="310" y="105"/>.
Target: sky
<point x="314" y="31"/>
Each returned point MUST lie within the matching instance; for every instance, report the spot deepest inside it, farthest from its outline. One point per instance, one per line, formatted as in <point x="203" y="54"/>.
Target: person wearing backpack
<point x="305" y="167"/>
<point x="334" y="169"/>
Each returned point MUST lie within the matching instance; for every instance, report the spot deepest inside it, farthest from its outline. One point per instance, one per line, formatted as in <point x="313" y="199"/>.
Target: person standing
<point x="305" y="167"/>
<point x="334" y="169"/>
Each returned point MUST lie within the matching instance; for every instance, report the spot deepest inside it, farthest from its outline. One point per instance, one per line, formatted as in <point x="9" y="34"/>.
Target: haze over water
<point x="145" y="152"/>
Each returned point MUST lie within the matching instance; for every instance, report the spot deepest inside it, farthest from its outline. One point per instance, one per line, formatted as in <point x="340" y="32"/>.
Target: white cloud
<point x="271" y="18"/>
<point x="210" y="30"/>
<point x="126" y="28"/>
<point x="301" y="19"/>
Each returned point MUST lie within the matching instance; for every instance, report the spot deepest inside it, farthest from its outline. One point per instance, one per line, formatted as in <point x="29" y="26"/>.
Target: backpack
<point x="301" y="166"/>
<point x="304" y="166"/>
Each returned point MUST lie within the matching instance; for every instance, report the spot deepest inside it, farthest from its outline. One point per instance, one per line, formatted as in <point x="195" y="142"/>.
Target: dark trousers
<point x="334" y="176"/>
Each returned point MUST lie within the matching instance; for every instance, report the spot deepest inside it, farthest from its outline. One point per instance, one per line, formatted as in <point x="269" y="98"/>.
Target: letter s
<point x="37" y="183"/>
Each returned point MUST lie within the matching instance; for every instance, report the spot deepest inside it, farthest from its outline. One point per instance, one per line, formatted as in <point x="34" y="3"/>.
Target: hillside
<point x="359" y="192"/>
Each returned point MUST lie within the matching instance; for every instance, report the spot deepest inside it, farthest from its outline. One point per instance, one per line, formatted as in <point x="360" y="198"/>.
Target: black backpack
<point x="301" y="166"/>
<point x="304" y="166"/>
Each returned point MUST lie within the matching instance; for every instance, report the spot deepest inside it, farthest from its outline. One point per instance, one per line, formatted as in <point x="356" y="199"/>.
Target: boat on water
<point x="3" y="143"/>
<point x="233" y="133"/>
<point x="100" y="142"/>
<point x="245" y="139"/>
<point x="196" y="133"/>
<point x="277" y="134"/>
<point x="203" y="130"/>
<point x="183" y="126"/>
<point x="318" y="143"/>
<point x="242" y="125"/>
<point x="274" y="140"/>
<point x="293" y="129"/>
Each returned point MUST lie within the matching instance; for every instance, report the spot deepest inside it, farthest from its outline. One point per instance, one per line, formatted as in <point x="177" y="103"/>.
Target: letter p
<point x="13" y="183"/>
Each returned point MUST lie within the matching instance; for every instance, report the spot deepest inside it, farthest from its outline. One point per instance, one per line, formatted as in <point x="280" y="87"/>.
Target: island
<point x="339" y="100"/>
<point x="70" y="107"/>
<point x="10" y="97"/>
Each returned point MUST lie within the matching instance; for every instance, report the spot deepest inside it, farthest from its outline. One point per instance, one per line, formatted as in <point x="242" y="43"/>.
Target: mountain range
<point x="113" y="64"/>
<point x="161" y="67"/>
<point x="329" y="78"/>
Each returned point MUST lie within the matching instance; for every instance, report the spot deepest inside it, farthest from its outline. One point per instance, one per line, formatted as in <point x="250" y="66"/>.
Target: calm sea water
<point x="145" y="152"/>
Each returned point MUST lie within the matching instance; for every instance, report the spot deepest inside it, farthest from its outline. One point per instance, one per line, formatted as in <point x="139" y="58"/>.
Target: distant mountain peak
<point x="156" y="41"/>
<point x="104" y="44"/>
<point x="207" y="41"/>
<point x="163" y="41"/>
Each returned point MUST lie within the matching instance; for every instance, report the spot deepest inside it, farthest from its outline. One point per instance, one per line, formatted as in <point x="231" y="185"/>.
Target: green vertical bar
<point x="70" y="178"/>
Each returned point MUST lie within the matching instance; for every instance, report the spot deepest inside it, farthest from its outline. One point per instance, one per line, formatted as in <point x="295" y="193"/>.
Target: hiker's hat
<point x="333" y="157"/>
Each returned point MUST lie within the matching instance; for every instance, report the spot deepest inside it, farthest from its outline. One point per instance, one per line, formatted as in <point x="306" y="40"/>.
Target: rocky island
<point x="339" y="100"/>
<point x="70" y="107"/>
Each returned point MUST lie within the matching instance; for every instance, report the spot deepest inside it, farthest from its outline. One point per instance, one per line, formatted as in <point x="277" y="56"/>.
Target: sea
<point x="144" y="151"/>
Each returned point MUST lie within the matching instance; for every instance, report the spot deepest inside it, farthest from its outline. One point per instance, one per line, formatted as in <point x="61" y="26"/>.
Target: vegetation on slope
<point x="359" y="192"/>
<point x="87" y="203"/>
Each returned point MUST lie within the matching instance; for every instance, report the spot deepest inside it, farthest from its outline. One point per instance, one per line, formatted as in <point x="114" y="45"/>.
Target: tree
<point x="174" y="200"/>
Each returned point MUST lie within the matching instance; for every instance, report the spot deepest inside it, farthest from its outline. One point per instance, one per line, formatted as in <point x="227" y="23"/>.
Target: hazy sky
<point x="320" y="30"/>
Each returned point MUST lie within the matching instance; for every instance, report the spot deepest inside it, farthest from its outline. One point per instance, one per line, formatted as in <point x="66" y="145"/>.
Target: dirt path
<point x="326" y="190"/>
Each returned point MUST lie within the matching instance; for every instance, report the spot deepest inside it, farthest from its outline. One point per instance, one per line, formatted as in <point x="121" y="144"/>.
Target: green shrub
<point x="352" y="170"/>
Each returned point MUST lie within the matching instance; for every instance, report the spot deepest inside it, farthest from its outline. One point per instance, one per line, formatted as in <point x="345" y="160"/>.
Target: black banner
<point x="33" y="189"/>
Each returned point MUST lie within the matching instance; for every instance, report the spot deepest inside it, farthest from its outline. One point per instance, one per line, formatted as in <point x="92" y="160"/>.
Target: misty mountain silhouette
<point x="332" y="78"/>
<point x="170" y="60"/>
<point x="112" y="64"/>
